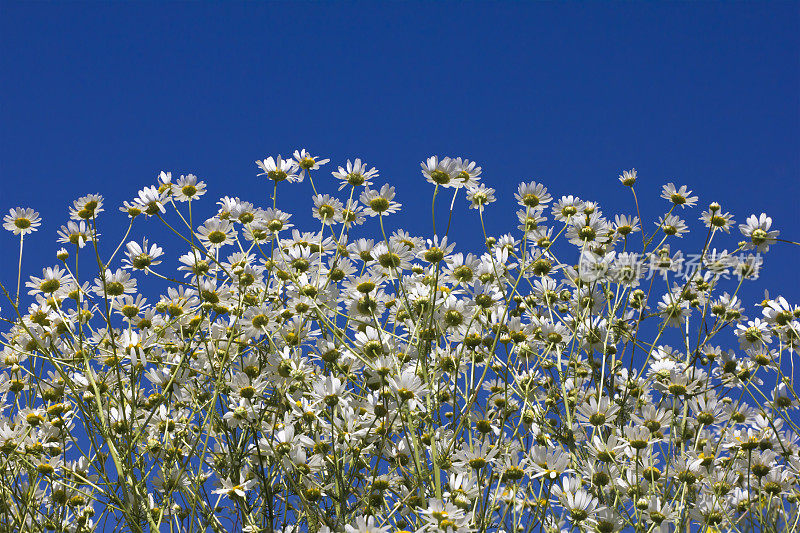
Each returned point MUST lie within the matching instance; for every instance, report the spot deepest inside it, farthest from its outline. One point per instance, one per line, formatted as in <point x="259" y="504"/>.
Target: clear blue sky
<point x="99" y="97"/>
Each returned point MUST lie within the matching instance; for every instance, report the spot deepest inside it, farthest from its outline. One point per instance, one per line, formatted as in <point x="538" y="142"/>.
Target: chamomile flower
<point x="379" y="202"/>
<point x="466" y="172"/>
<point x="216" y="233"/>
<point x="715" y="218"/>
<point x="129" y="306"/>
<point x="628" y="177"/>
<point x="139" y="257"/>
<point x="22" y="221"/>
<point x="275" y="220"/>
<point x="437" y="250"/>
<point x="355" y="174"/>
<point x="681" y="196"/>
<point x="256" y="320"/>
<point x="587" y="229"/>
<point x="409" y="389"/>
<point x="480" y="196"/>
<point x="578" y="503"/>
<point x="748" y="266"/>
<point x="442" y="516"/>
<point x="625" y="225"/>
<point x="597" y="413"/>
<point x="440" y="171"/>
<point x="530" y="219"/>
<point x="674" y="309"/>
<point x="532" y="195"/>
<point x="53" y="279"/>
<point x="567" y="207"/>
<point x="779" y="312"/>
<point x="306" y="162"/>
<point x="235" y="490"/>
<point x="279" y="169"/>
<point x="719" y="262"/>
<point x="672" y="225"/>
<point x="365" y="524"/>
<point x="391" y="259"/>
<point x="196" y="264"/>
<point x="132" y="209"/>
<point x="115" y="284"/>
<point x="753" y="335"/>
<point x="326" y="208"/>
<point x="227" y="205"/>
<point x="86" y="207"/>
<point x="782" y="398"/>
<point x="165" y="183"/>
<point x="549" y="463"/>
<point x="757" y="229"/>
<point x="351" y="214"/>
<point x="77" y="233"/>
<point x="151" y="201"/>
<point x="189" y="188"/>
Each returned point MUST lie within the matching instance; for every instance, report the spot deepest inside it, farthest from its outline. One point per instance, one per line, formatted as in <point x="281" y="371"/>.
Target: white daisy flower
<point x="188" y="188"/>
<point x="681" y="197"/>
<point x="379" y="202"/>
<point x="306" y="162"/>
<point x="440" y="172"/>
<point x="22" y="221"/>
<point x="355" y="175"/>
<point x="279" y="169"/>
<point x="757" y="230"/>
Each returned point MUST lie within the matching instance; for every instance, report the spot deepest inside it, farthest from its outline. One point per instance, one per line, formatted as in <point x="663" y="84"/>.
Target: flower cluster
<point x="266" y="378"/>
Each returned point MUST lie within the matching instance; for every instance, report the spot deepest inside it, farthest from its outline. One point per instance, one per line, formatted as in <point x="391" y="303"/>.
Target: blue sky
<point x="99" y="97"/>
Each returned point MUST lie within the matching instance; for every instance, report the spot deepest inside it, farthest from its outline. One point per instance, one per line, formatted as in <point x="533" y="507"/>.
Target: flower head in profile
<point x="164" y="183"/>
<point x="279" y="169"/>
<point x="466" y="173"/>
<point x="234" y="490"/>
<point x="86" y="207"/>
<point x="625" y="225"/>
<point x="22" y="221"/>
<point x="628" y="177"/>
<point x="76" y="233"/>
<point x="672" y="225"/>
<point x="682" y="197"/>
<point x="440" y="171"/>
<point x="150" y="201"/>
<point x="306" y="162"/>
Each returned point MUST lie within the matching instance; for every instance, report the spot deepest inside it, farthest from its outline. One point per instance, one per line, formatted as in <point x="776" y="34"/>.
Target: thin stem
<point x="19" y="266"/>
